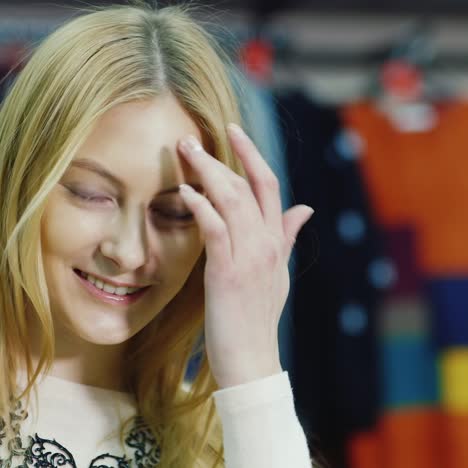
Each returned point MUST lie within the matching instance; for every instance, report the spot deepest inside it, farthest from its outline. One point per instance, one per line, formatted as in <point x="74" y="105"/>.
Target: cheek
<point x="64" y="229"/>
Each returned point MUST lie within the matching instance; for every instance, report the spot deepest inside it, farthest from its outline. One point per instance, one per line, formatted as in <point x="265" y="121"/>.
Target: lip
<point x="113" y="283"/>
<point x="110" y="298"/>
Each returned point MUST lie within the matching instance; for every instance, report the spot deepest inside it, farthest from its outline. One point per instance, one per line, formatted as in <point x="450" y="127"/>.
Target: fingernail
<point x="311" y="211"/>
<point x="193" y="143"/>
<point x="235" y="128"/>
<point x="184" y="188"/>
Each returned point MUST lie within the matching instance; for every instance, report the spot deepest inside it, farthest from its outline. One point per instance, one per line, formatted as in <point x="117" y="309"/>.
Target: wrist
<point x="234" y="380"/>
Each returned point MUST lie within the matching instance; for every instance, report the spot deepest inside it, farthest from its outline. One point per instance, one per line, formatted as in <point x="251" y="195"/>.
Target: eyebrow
<point x="95" y="167"/>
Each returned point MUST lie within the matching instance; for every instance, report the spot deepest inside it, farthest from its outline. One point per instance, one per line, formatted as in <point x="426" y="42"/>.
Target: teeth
<point x="108" y="288"/>
<point x="91" y="279"/>
<point x="120" y="291"/>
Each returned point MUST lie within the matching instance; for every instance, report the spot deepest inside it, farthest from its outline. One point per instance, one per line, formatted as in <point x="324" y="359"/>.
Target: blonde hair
<point x="105" y="57"/>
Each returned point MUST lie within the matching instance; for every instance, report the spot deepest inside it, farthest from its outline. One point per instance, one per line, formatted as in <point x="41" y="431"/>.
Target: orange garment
<point x="409" y="438"/>
<point x="363" y="450"/>
<point x="454" y="428"/>
<point x="419" y="179"/>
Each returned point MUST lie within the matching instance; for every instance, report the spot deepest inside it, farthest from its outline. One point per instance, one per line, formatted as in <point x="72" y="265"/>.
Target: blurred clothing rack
<point x="332" y="54"/>
<point x="288" y="50"/>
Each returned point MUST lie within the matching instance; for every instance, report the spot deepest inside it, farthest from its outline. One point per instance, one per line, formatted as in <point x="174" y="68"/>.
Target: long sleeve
<point x="260" y="425"/>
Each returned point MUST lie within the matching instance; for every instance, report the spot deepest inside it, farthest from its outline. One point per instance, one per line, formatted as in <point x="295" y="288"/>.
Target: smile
<point x="129" y="297"/>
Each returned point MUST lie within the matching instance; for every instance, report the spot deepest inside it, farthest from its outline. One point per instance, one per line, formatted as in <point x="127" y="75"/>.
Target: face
<point x="116" y="215"/>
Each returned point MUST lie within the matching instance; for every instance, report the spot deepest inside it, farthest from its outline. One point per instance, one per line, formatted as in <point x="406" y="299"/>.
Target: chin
<point x="107" y="340"/>
<point x="105" y="335"/>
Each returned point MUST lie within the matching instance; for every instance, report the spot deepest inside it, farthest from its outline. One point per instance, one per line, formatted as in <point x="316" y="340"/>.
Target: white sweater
<point x="74" y="428"/>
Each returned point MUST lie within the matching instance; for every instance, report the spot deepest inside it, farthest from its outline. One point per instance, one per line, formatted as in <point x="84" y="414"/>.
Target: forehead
<point x="139" y="139"/>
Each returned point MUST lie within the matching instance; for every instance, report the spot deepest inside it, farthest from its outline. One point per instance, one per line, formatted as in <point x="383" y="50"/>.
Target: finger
<point x="212" y="226"/>
<point x="230" y="194"/>
<point x="293" y="221"/>
<point x="263" y="181"/>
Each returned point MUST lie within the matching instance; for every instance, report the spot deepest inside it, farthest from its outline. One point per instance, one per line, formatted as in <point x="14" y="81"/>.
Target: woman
<point x="136" y="217"/>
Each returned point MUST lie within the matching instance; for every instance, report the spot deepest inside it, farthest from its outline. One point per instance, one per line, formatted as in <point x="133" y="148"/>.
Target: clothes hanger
<point x="404" y="91"/>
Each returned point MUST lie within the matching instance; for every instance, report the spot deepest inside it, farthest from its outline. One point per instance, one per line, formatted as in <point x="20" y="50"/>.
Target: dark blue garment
<point x="338" y="280"/>
<point x="449" y="299"/>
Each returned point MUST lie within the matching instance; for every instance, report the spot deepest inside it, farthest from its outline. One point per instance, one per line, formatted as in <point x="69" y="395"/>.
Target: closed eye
<point x="89" y="197"/>
<point x="174" y="215"/>
<point x="165" y="214"/>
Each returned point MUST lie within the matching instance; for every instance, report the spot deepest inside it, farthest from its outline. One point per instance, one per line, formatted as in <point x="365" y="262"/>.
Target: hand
<point x="248" y="241"/>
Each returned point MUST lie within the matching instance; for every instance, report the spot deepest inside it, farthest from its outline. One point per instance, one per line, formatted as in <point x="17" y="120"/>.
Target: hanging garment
<point x="340" y="275"/>
<point x="418" y="179"/>
<point x="416" y="184"/>
<point x="449" y="300"/>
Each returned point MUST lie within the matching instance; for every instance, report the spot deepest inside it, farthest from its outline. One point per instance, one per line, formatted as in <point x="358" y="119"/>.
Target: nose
<point x="126" y="245"/>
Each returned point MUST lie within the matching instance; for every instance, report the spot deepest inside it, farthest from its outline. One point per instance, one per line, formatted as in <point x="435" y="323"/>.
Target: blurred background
<point x="360" y="107"/>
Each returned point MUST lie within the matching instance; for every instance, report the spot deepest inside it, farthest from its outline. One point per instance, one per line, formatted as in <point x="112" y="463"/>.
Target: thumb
<point x="293" y="220"/>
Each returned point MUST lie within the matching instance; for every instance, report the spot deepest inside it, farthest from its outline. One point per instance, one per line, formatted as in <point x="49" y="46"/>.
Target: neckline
<point x="70" y="389"/>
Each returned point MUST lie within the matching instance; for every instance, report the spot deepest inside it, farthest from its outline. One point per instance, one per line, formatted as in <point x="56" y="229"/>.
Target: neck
<point x="82" y="362"/>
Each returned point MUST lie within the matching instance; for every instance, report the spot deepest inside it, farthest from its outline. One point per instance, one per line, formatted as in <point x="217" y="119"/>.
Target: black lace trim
<point x="39" y="452"/>
<point x="147" y="451"/>
<point x="46" y="453"/>
<point x="111" y="461"/>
